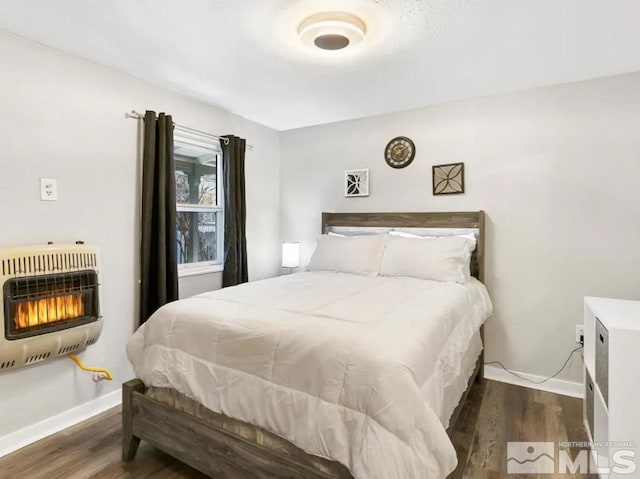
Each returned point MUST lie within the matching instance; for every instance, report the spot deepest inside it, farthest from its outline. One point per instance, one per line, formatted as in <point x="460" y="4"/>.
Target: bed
<point x="315" y="374"/>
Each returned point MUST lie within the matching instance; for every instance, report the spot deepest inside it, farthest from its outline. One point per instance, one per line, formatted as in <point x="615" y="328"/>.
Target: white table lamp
<point x="290" y="255"/>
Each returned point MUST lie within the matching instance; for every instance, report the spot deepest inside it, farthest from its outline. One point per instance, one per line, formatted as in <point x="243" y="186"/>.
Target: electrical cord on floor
<point x="544" y="380"/>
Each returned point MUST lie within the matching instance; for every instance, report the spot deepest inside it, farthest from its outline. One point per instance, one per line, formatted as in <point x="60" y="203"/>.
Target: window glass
<point x="199" y="199"/>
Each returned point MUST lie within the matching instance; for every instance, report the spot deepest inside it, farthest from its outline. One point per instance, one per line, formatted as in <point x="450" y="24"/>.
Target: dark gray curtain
<point x="159" y="269"/>
<point x="235" y="212"/>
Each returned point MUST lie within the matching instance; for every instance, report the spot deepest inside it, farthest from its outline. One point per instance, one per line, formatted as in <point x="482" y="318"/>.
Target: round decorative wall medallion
<point x="400" y="152"/>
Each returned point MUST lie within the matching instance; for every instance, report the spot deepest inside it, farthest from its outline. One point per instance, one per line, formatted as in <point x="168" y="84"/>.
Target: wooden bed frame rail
<point x="215" y="445"/>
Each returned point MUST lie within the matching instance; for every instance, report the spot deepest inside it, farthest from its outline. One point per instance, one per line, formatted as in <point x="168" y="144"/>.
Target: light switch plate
<point x="48" y="189"/>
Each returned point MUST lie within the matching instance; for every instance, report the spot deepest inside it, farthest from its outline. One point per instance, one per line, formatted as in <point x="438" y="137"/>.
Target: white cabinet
<point x="612" y="382"/>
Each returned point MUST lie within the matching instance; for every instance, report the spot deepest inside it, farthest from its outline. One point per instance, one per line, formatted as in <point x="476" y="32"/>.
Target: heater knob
<point x="49" y="242"/>
<point x="79" y="242"/>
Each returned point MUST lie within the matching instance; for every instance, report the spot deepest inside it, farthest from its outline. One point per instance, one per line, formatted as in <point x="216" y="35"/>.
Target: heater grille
<point x="7" y="364"/>
<point x="48" y="263"/>
<point x="40" y="304"/>
<point x="71" y="348"/>
<point x="37" y="357"/>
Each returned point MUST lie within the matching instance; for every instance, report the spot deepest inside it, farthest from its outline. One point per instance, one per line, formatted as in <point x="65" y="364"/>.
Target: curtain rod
<point x="139" y="116"/>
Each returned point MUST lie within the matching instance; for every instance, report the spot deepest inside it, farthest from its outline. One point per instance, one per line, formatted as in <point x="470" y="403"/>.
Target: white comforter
<point x="336" y="363"/>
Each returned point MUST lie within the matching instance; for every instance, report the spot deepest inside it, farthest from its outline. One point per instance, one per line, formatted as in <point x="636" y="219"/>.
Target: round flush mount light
<point x="332" y="31"/>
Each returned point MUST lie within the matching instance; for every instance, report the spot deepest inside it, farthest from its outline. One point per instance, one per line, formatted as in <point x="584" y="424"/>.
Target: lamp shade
<point x="290" y="255"/>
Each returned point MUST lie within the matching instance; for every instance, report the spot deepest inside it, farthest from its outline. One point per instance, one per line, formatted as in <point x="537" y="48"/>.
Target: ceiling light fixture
<point x="332" y="30"/>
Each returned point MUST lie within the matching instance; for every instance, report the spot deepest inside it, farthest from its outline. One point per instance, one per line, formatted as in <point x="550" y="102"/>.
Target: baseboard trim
<point x="558" y="386"/>
<point x="30" y="434"/>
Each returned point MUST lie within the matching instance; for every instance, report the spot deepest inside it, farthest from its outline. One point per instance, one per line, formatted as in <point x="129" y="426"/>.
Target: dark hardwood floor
<point x="494" y="413"/>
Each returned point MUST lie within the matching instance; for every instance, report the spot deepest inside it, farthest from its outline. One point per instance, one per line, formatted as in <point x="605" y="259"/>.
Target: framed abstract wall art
<point x="356" y="182"/>
<point x="448" y="179"/>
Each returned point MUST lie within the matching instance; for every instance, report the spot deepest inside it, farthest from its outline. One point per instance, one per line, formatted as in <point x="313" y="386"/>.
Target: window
<point x="199" y="202"/>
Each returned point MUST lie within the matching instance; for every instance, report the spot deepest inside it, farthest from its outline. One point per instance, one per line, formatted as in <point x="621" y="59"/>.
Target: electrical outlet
<point x="579" y="333"/>
<point x="48" y="189"/>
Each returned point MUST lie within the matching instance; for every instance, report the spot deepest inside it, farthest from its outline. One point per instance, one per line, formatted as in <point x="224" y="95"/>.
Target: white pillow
<point x="472" y="241"/>
<point x="444" y="258"/>
<point x="348" y="254"/>
<point x="470" y="236"/>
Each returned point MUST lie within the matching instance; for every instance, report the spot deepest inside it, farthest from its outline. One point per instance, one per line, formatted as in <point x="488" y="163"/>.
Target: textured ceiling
<point x="242" y="55"/>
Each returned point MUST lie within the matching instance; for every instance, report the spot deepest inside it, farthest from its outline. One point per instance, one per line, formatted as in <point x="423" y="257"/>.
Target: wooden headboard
<point x="464" y="219"/>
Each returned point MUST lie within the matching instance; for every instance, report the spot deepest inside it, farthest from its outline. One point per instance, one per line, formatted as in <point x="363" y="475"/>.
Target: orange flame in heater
<point x="48" y="310"/>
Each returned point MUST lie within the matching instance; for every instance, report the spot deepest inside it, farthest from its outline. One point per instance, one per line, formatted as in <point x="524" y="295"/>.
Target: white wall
<point x="557" y="171"/>
<point x="63" y="117"/>
<point x="192" y="285"/>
